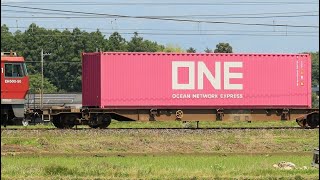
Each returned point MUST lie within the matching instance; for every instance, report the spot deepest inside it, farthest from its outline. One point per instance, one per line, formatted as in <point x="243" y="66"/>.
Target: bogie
<point x="65" y="121"/>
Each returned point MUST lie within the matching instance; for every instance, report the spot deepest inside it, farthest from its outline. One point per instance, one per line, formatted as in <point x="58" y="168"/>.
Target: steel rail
<point x="211" y="128"/>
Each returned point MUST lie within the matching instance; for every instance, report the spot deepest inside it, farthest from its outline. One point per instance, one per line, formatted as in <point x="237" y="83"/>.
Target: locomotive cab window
<point x="14" y="70"/>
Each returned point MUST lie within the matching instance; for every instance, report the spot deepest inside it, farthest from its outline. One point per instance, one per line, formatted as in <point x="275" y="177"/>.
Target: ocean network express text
<point x="206" y="96"/>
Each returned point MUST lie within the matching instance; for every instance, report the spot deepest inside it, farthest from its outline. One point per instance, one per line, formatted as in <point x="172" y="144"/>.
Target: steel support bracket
<point x="220" y="114"/>
<point x="285" y="114"/>
<point x="179" y="114"/>
<point x="85" y="113"/>
<point x="153" y="113"/>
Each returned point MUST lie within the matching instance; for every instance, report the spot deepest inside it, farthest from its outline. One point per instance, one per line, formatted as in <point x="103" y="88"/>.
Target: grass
<point x="202" y="124"/>
<point x="164" y="141"/>
<point x="157" y="167"/>
<point x="179" y="124"/>
<point x="157" y="154"/>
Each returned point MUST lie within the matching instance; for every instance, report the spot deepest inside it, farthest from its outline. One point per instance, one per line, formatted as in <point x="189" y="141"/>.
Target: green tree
<point x="223" y="48"/>
<point x="315" y="77"/>
<point x="35" y="84"/>
<point x="63" y="66"/>
<point x="315" y="100"/>
<point x="315" y="68"/>
<point x="116" y="43"/>
<point x="137" y="44"/>
<point x="173" y="48"/>
<point x="207" y="50"/>
<point x="7" y="39"/>
<point x="191" y="50"/>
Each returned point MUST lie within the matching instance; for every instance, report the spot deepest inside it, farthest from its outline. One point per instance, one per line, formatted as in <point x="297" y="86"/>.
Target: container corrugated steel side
<point x="170" y="80"/>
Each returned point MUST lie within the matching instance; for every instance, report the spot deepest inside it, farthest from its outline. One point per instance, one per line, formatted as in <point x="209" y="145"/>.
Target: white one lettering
<point x="204" y="71"/>
<point x="179" y="64"/>
<point x="228" y="75"/>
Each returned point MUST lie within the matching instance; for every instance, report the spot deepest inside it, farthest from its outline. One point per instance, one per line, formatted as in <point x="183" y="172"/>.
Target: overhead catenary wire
<point x="169" y="30"/>
<point x="220" y="17"/>
<point x="189" y="15"/>
<point x="233" y="3"/>
<point x="168" y="19"/>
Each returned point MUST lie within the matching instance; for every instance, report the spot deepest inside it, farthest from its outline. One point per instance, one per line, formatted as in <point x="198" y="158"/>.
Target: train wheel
<point x="313" y="120"/>
<point x="105" y="121"/>
<point x="101" y="121"/>
<point x="93" y="123"/>
<point x="95" y="126"/>
<point x="57" y="122"/>
<point x="68" y="121"/>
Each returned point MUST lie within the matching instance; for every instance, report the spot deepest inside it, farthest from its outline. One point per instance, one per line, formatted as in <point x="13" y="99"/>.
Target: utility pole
<point x="41" y="91"/>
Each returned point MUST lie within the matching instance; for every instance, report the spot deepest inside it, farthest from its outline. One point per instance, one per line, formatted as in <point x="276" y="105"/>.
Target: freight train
<point x="142" y="86"/>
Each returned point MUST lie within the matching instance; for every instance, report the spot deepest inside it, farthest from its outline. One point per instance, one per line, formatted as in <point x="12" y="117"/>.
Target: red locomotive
<point x="14" y="87"/>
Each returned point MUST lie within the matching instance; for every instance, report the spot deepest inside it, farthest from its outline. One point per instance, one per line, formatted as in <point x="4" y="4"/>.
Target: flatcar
<point x="144" y="86"/>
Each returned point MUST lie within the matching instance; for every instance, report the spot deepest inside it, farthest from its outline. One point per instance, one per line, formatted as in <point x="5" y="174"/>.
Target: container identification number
<point x="12" y="81"/>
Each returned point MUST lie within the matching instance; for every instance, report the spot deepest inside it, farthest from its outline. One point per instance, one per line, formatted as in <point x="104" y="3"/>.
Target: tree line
<point x="62" y="69"/>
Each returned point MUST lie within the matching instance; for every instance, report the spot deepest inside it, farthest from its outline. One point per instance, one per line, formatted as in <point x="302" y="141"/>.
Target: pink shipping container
<point x="193" y="80"/>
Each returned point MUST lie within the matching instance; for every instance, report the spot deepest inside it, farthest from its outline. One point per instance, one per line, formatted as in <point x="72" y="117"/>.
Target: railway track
<point x="212" y="128"/>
